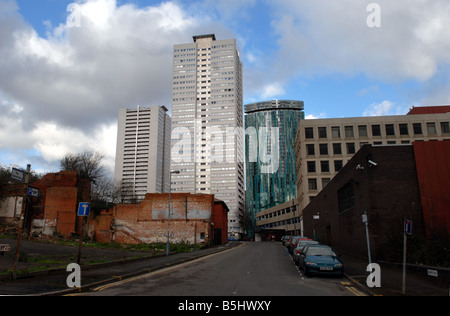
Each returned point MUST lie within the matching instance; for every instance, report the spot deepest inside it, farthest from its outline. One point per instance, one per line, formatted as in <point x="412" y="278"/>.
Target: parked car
<point x="287" y="241"/>
<point x="300" y="245"/>
<point x="293" y="243"/>
<point x="283" y="240"/>
<point x="320" y="259"/>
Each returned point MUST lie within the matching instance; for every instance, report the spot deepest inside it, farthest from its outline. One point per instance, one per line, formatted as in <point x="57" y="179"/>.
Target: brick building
<point x="390" y="183"/>
<point x="195" y="218"/>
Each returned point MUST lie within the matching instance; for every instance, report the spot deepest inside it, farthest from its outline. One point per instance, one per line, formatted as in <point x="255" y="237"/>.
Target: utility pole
<point x="21" y="222"/>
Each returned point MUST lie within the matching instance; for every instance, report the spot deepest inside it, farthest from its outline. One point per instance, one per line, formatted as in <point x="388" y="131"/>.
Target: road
<point x="253" y="269"/>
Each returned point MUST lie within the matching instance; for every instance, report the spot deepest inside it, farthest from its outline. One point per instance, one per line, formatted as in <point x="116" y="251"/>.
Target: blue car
<point x="320" y="259"/>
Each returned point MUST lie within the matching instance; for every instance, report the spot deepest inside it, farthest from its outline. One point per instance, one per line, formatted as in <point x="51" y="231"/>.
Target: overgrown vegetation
<point x="46" y="262"/>
<point x="434" y="251"/>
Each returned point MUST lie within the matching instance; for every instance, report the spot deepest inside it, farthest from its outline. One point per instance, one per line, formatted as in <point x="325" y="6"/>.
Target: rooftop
<point x="274" y="105"/>
<point x="198" y="37"/>
<point x="430" y="110"/>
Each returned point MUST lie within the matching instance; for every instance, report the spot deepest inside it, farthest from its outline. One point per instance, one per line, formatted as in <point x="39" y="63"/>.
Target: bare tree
<point x="124" y="193"/>
<point x="88" y="164"/>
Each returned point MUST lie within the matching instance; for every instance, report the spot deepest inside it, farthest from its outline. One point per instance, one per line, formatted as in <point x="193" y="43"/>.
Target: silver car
<point x="298" y="249"/>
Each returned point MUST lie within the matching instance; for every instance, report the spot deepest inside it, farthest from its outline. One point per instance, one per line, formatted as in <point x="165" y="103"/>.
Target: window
<point x="445" y="127"/>
<point x="417" y="127"/>
<point x="312" y="184"/>
<point x="390" y="130"/>
<point x="323" y="149"/>
<point x="376" y="130"/>
<point x="338" y="165"/>
<point x="311" y="149"/>
<point x="349" y="131"/>
<point x="431" y="128"/>
<point x="309" y="132"/>
<point x="325" y="166"/>
<point x="323" y="132"/>
<point x="351" y="148"/>
<point x="311" y="166"/>
<point x="404" y="129"/>
<point x="346" y="197"/>
<point x="362" y="129"/>
<point x="337" y="149"/>
<point x="325" y="182"/>
<point x="336" y="132"/>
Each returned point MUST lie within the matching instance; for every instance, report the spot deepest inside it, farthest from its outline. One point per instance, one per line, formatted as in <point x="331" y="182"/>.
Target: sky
<point x="67" y="66"/>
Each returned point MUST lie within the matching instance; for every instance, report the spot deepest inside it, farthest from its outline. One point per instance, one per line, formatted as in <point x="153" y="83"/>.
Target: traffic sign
<point x="18" y="175"/>
<point x="84" y="209"/>
<point x="33" y="192"/>
<point x="408" y="227"/>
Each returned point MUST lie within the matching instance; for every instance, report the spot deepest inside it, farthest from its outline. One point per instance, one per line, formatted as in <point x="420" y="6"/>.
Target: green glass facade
<point x="264" y="189"/>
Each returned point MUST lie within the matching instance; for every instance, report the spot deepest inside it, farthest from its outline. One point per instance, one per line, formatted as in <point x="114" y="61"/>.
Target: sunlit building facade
<point x="208" y="123"/>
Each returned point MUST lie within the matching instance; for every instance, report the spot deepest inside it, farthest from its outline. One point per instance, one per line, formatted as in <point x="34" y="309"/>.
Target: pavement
<point x="418" y="283"/>
<point x="104" y="266"/>
<point x="117" y="265"/>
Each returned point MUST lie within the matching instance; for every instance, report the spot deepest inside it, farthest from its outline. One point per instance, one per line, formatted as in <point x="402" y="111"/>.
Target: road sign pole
<point x="81" y="241"/>
<point x="405" y="241"/>
<point x="407" y="230"/>
<point x="365" y="221"/>
<point x="84" y="210"/>
<point x="20" y="228"/>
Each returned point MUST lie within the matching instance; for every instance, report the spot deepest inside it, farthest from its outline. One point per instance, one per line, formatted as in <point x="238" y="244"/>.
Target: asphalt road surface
<point x="253" y="269"/>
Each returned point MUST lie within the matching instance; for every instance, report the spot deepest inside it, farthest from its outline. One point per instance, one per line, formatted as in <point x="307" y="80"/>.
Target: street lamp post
<point x="168" y="217"/>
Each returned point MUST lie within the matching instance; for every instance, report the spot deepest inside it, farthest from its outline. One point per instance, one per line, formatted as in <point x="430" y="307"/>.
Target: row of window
<point x="313" y="183"/>
<point x="403" y="129"/>
<point x="325" y="166"/>
<point x="324" y="149"/>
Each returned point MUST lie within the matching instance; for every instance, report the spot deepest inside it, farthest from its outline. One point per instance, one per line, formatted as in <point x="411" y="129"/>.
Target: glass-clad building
<point x="271" y="177"/>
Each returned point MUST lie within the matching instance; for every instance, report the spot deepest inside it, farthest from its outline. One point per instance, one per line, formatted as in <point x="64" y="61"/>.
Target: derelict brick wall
<point x="147" y="222"/>
<point x="60" y="209"/>
<point x="220" y="220"/>
<point x="55" y="210"/>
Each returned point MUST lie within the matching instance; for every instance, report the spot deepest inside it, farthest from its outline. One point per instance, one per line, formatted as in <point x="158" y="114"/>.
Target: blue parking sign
<point x="408" y="227"/>
<point x="84" y="209"/>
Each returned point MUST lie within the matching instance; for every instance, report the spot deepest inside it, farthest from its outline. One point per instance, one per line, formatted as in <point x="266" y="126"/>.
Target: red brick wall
<point x="220" y="220"/>
<point x="147" y="222"/>
<point x="60" y="209"/>
<point x="56" y="208"/>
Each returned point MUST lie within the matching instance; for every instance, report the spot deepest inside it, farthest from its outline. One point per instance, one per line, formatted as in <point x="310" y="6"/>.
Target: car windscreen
<point x="303" y="243"/>
<point x="320" y="251"/>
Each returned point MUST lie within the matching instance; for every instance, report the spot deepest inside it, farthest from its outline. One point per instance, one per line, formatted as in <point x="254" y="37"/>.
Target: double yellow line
<point x="352" y="289"/>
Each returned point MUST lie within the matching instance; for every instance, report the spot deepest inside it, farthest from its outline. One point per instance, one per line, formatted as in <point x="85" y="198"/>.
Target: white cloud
<point x="272" y="91"/>
<point x="61" y="93"/>
<point x="316" y="116"/>
<point x="323" y="37"/>
<point x="385" y="108"/>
